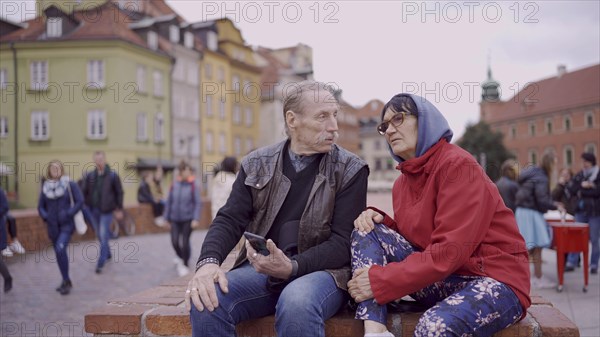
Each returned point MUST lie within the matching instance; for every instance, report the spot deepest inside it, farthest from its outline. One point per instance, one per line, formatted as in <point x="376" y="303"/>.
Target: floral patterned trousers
<point x="458" y="306"/>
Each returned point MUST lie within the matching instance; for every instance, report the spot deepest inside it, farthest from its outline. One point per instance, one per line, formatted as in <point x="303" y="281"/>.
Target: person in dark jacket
<point x="59" y="200"/>
<point x="586" y="186"/>
<point x="303" y="192"/>
<point x="3" y="269"/>
<point x="507" y="185"/>
<point x="103" y="195"/>
<point x="562" y="191"/>
<point x="183" y="210"/>
<point x="533" y="200"/>
<point x="145" y="196"/>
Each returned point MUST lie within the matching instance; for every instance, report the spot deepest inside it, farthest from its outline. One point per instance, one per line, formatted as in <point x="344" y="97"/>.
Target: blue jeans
<point x="594" y="222"/>
<point x="301" y="309"/>
<point x="60" y="249"/>
<point x="101" y="223"/>
<point x="458" y="305"/>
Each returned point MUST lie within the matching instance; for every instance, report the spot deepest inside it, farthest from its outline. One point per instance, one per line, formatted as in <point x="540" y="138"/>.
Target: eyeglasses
<point x="396" y="121"/>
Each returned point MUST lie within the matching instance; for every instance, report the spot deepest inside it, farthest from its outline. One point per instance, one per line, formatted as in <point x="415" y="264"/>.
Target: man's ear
<point x="290" y="119"/>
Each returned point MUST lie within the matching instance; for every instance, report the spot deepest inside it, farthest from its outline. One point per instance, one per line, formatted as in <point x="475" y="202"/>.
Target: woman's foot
<point x="376" y="329"/>
<point x="66" y="288"/>
<point x="7" y="284"/>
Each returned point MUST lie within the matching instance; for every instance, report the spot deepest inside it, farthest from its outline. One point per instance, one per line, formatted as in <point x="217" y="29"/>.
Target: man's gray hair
<point x="296" y="93"/>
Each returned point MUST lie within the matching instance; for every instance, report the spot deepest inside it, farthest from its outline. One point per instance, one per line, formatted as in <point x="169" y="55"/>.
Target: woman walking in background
<point x="59" y="201"/>
<point x="183" y="212"/>
<point x="532" y="201"/>
<point x="507" y="184"/>
<point x="222" y="184"/>
<point x="3" y="269"/>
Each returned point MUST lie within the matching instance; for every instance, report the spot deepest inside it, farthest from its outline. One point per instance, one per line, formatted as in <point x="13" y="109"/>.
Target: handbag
<point x="80" y="225"/>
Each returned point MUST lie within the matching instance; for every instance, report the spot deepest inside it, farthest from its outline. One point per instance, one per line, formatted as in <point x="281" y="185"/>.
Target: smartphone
<point x="257" y="242"/>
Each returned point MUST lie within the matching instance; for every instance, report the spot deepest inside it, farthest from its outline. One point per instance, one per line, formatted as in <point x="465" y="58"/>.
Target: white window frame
<point x="3" y="78"/>
<point x="3" y="127"/>
<point x="210" y="142"/>
<point x="152" y="38"/>
<point x="157" y="77"/>
<point x="95" y="73"/>
<point x="549" y="130"/>
<point x="592" y="147"/>
<point x="237" y="146"/>
<point x="565" y="149"/>
<point x="141" y="122"/>
<point x="212" y="41"/>
<point x="221" y="74"/>
<point x="188" y="40"/>
<point x="222" y="114"/>
<point x="589" y="114"/>
<point x="530" y="155"/>
<point x="159" y="128"/>
<point x="96" y="124"/>
<point x="235" y="82"/>
<point x="54" y="27"/>
<point x="568" y="120"/>
<point x="532" y="129"/>
<point x="237" y="114"/>
<point x="140" y="76"/>
<point x="208" y="70"/>
<point x="222" y="143"/>
<point x="209" y="106"/>
<point x="39" y="120"/>
<point x="39" y="75"/>
<point x="174" y="34"/>
<point x="249" y="118"/>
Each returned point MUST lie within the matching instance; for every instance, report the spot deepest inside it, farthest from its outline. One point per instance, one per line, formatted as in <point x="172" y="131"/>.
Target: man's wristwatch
<point x="294" y="268"/>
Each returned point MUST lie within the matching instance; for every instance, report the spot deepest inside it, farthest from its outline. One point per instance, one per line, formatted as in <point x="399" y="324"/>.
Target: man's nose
<point x="332" y="125"/>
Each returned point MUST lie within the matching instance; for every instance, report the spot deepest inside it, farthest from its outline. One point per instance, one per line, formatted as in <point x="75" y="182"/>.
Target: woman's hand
<point x="359" y="286"/>
<point x="366" y="220"/>
<point x="201" y="289"/>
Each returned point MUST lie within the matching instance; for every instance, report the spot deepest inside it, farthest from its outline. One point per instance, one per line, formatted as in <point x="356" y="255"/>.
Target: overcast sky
<point x="375" y="49"/>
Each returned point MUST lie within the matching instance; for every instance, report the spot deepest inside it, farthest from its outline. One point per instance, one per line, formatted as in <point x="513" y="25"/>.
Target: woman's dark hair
<point x="183" y="165"/>
<point x="401" y="102"/>
<point x="229" y="164"/>
<point x="548" y="163"/>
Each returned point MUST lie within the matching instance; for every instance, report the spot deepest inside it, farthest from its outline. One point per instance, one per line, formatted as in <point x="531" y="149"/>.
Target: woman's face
<point x="186" y="173"/>
<point x="55" y="171"/>
<point x="402" y="138"/>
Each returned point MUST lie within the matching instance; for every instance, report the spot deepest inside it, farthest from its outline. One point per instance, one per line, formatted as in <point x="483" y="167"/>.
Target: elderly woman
<point x="452" y="244"/>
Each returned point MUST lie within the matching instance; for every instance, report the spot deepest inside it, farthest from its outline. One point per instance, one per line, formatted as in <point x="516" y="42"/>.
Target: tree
<point x="480" y="141"/>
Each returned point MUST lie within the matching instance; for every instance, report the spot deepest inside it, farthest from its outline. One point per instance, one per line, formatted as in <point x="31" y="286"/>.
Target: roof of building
<point x="564" y="91"/>
<point x="371" y="109"/>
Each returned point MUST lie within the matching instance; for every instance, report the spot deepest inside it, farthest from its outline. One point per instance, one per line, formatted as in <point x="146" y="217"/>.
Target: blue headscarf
<point x="432" y="126"/>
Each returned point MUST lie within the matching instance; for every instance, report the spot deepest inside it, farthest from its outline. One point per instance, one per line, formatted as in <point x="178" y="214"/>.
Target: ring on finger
<point x="188" y="291"/>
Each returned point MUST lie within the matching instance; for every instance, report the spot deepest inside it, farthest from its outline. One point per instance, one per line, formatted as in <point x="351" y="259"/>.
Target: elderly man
<point x="303" y="195"/>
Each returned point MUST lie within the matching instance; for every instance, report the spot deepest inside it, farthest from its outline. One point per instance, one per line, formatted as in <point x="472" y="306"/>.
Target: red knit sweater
<point x="447" y="206"/>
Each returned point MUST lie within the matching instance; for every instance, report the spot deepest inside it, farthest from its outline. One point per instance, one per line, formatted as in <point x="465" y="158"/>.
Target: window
<point x="209" y="142"/>
<point x="249" y="116"/>
<point x="3" y="78"/>
<point x="212" y="41"/>
<point x="96" y="124"/>
<point x="208" y="70"/>
<point x="513" y="132"/>
<point x="39" y="75"/>
<point x="95" y="73"/>
<point x="159" y="128"/>
<point x="3" y="127"/>
<point x="222" y="109"/>
<point x="237" y="114"/>
<point x="532" y="157"/>
<point x="158" y="83"/>
<point x="179" y="70"/>
<point x="222" y="143"/>
<point x="235" y="82"/>
<point x="249" y="144"/>
<point x="377" y="144"/>
<point x="569" y="156"/>
<point x="152" y="40"/>
<point x="142" y="126"/>
<point x="188" y="40"/>
<point x="237" y="146"/>
<point x="209" y="111"/>
<point x="192" y="73"/>
<point x="589" y="119"/>
<point x="221" y="75"/>
<point x="141" y="78"/>
<point x="174" y="33"/>
<point x="591" y="148"/>
<point x="567" y="124"/>
<point x="378" y="165"/>
<point x="54" y="27"/>
<point x="40" y="128"/>
<point x="549" y="127"/>
<point x="532" y="129"/>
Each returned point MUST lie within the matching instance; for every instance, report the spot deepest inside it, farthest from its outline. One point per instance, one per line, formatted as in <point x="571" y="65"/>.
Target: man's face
<point x="315" y="127"/>
<point x="100" y="161"/>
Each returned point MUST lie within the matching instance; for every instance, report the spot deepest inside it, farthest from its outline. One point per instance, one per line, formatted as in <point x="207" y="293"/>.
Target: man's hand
<point x="366" y="220"/>
<point x="202" y="290"/>
<point x="276" y="264"/>
<point x="118" y="215"/>
<point x="359" y="286"/>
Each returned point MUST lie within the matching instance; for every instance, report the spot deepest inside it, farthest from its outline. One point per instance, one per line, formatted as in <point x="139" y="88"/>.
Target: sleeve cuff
<point x="387" y="220"/>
